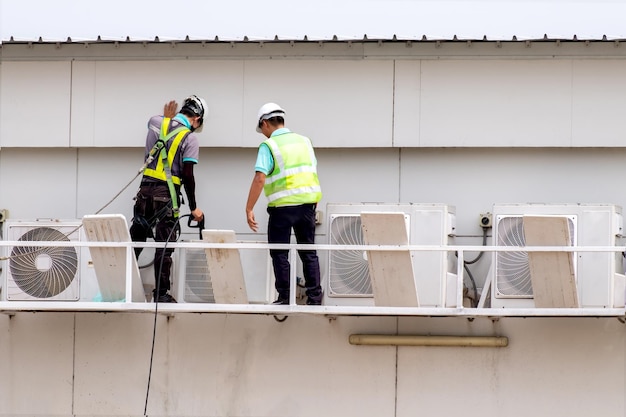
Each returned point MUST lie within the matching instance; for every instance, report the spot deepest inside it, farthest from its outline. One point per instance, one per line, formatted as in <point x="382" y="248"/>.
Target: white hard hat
<point x="267" y="111"/>
<point x="195" y="105"/>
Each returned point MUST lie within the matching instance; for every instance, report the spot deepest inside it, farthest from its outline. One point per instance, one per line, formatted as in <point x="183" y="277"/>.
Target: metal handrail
<point x="459" y="310"/>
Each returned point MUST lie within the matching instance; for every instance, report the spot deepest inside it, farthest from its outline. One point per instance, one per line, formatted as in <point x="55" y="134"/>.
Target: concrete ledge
<point x="9" y="307"/>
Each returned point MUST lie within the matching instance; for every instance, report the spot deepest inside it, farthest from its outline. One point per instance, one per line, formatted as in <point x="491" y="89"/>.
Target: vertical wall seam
<point x="73" y="365"/>
<point x="393" y="128"/>
<point x="69" y="121"/>
<point x="243" y="101"/>
<point x="393" y="104"/>
<point x="571" y="105"/>
<point x="69" y="129"/>
<point x="395" y="398"/>
<point x="419" y="103"/>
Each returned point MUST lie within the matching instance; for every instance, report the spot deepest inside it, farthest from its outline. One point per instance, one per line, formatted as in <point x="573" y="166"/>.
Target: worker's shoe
<point x="314" y="298"/>
<point x="281" y="301"/>
<point x="165" y="298"/>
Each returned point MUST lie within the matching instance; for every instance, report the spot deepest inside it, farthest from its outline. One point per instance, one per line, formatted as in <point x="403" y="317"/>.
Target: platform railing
<point x="293" y="307"/>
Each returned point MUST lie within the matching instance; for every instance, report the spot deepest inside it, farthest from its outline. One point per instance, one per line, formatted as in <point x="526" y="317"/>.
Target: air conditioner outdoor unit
<point x="598" y="276"/>
<point x="42" y="273"/>
<point x="346" y="277"/>
<point x="192" y="281"/>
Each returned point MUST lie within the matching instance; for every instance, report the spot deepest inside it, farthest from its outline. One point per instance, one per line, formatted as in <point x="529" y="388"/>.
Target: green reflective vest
<point x="293" y="181"/>
<point x="172" y="140"/>
<point x="163" y="170"/>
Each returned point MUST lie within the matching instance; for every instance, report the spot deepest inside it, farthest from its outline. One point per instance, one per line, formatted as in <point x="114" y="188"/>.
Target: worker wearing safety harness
<point x="286" y="169"/>
<point x="172" y="151"/>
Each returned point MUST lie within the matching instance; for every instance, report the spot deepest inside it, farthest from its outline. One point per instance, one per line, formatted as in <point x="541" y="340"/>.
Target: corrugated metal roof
<point x="310" y="20"/>
<point x="334" y="38"/>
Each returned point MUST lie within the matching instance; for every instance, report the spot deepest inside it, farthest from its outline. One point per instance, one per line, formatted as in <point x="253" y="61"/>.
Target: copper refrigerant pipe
<point x="408" y="340"/>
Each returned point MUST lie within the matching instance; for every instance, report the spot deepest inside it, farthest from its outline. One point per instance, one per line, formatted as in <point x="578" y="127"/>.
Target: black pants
<point x="302" y="220"/>
<point x="153" y="208"/>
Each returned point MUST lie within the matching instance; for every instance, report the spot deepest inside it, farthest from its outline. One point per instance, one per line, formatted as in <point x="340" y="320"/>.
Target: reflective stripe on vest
<point x="293" y="180"/>
<point x="178" y="134"/>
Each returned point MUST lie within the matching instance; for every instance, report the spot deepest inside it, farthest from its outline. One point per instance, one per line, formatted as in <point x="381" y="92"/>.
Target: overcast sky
<point x="318" y="19"/>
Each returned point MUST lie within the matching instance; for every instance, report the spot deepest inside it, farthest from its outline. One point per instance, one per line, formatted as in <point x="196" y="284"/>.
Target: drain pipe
<point x="413" y="340"/>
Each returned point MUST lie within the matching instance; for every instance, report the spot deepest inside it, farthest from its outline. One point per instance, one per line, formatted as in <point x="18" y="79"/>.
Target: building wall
<point x="93" y="364"/>
<point x="70" y="183"/>
<point x="465" y="125"/>
<point x="364" y="98"/>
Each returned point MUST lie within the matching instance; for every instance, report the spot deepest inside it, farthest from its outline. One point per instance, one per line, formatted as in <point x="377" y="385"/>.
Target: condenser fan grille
<point x="349" y="270"/>
<point x="43" y="271"/>
<point x="513" y="271"/>
<point x="198" y="285"/>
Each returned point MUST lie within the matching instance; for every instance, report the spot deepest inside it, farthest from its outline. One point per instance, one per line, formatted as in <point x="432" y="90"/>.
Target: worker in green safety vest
<point x="172" y="151"/>
<point x="286" y="170"/>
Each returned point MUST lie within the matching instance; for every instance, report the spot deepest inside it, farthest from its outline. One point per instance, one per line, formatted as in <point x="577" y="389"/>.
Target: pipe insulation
<point x="414" y="340"/>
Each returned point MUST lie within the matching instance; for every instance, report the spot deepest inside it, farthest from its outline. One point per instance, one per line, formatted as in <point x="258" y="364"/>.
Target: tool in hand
<point x="198" y="224"/>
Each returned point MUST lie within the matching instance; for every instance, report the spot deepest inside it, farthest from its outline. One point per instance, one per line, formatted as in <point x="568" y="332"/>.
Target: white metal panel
<point x="125" y="94"/>
<point x="38" y="183"/>
<point x="599" y="96"/>
<point x="102" y="174"/>
<point x="35" y="103"/>
<point x="336" y="103"/>
<point x="359" y="175"/>
<point x="496" y="103"/>
<point x="83" y="105"/>
<point x="406" y="103"/>
<point x="471" y="178"/>
<point x="210" y="186"/>
<point x="493" y="102"/>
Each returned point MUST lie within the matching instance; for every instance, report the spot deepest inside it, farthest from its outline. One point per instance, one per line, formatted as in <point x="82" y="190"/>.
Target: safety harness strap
<point x="170" y="183"/>
<point x="166" y="159"/>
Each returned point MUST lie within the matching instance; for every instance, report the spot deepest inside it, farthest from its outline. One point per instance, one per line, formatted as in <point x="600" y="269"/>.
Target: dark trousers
<point x="302" y="220"/>
<point x="153" y="209"/>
